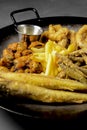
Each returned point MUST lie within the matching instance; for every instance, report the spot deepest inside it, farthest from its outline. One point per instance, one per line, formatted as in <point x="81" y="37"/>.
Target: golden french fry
<point x="36" y="50"/>
<point x="38" y="57"/>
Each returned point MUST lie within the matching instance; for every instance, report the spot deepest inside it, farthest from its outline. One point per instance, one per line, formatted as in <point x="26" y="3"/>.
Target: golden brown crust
<point x="81" y="36"/>
<point x="42" y="94"/>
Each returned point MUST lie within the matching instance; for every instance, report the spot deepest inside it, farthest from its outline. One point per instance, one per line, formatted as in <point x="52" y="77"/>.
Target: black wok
<point x="34" y="109"/>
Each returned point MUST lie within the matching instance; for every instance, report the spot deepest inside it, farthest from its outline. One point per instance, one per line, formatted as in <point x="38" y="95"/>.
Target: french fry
<point x="36" y="50"/>
<point x="40" y="57"/>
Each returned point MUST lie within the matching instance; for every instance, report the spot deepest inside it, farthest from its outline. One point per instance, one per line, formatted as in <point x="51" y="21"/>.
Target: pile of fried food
<point x="52" y="68"/>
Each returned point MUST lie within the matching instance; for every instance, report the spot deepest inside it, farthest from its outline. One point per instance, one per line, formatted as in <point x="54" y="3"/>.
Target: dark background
<point x="45" y="8"/>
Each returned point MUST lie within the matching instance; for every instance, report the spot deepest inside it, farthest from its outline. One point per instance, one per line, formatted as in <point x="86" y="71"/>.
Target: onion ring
<point x="81" y="36"/>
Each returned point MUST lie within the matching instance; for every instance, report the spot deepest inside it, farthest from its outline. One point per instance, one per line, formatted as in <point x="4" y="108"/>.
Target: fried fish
<point x="26" y="90"/>
<point x="45" y="81"/>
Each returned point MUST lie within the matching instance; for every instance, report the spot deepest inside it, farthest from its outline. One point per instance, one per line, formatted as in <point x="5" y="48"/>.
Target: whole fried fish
<point x="45" y="81"/>
<point x="25" y="90"/>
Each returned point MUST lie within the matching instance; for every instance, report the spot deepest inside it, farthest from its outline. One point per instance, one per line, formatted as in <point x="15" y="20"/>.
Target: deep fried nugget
<point x="59" y="35"/>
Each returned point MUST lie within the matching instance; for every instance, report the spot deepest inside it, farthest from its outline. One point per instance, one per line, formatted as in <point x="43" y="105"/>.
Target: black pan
<point x="35" y="109"/>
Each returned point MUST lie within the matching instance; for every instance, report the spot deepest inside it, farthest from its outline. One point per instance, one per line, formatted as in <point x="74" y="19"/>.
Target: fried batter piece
<point x="63" y="36"/>
<point x="55" y="33"/>
<point x="71" y="71"/>
<point x="79" y="57"/>
<point x="59" y="35"/>
<point x="81" y="36"/>
<point x="27" y="64"/>
<point x="17" y="58"/>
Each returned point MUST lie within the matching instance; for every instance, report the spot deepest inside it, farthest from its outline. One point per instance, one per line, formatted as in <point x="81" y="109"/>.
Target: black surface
<point x="46" y="8"/>
<point x="21" y="123"/>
